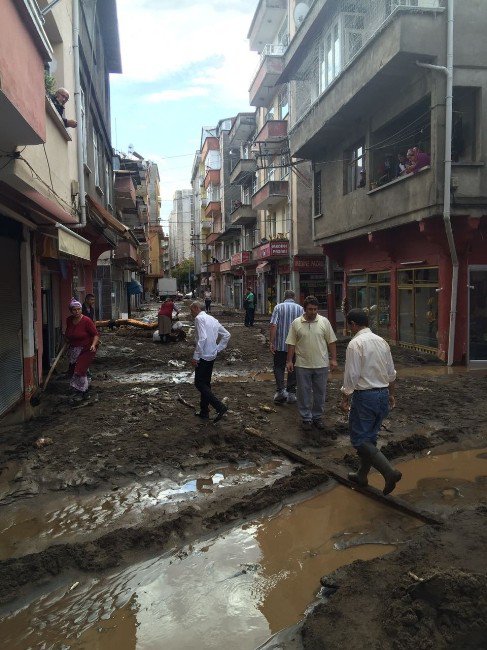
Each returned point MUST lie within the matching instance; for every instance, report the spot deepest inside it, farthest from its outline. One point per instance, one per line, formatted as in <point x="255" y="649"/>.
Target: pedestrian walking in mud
<point x="207" y="296"/>
<point x="88" y="307"/>
<point x="82" y="338"/>
<point x="282" y="316"/>
<point x="368" y="393"/>
<point x="211" y="338"/>
<point x="249" y="306"/>
<point x="312" y="341"/>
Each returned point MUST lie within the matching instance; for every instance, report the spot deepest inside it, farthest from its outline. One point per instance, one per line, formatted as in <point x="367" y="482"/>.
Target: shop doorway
<point x="477" y="310"/>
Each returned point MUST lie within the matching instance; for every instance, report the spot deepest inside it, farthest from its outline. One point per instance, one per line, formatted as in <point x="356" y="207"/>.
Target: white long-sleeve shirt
<point x="207" y="331"/>
<point x="368" y="363"/>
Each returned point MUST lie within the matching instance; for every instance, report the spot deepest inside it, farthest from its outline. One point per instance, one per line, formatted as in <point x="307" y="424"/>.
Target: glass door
<point x="478" y="314"/>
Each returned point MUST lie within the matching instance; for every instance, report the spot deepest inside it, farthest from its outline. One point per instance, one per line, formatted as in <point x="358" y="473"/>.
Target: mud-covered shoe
<point x="220" y="413"/>
<point x="291" y="398"/>
<point x="319" y="424"/>
<point x="306" y="425"/>
<point x="280" y="397"/>
<point x="203" y="416"/>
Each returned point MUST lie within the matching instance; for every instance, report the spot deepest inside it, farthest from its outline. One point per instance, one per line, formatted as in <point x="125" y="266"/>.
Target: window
<point x="390" y="143"/>
<point x="317" y="207"/>
<point x="464" y="128"/>
<point x="284" y="165"/>
<point x="108" y="184"/>
<point x="269" y="174"/>
<point x="270" y="113"/>
<point x="355" y="168"/>
<point x="372" y="292"/>
<point x="96" y="165"/>
<point x="83" y="127"/>
<point x="353" y="28"/>
<point x="271" y="225"/>
<point x="418" y="306"/>
<point x="283" y="103"/>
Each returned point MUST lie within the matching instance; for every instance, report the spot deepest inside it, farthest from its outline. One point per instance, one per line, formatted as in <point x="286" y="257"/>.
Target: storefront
<point x="372" y="292"/>
<point x="418" y="306"/>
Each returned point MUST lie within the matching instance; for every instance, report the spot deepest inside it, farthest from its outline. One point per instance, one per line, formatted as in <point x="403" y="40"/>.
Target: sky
<point x="186" y="64"/>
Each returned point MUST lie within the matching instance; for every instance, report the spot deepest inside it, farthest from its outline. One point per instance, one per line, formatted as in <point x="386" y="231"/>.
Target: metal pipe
<point x="448" y="71"/>
<point x="77" y="104"/>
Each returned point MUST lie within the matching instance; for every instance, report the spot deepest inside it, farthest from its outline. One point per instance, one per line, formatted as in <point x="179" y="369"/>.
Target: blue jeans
<point x="311" y="392"/>
<point x="367" y="411"/>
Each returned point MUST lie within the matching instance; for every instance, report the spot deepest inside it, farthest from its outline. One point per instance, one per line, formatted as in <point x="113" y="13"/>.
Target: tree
<point x="184" y="273"/>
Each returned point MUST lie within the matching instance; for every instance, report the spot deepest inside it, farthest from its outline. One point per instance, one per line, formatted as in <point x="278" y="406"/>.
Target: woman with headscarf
<point x="82" y="338"/>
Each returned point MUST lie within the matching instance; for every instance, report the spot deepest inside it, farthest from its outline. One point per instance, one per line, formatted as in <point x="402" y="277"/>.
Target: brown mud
<point x="134" y="430"/>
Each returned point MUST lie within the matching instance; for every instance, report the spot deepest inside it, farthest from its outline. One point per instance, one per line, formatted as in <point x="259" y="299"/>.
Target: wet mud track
<point x="133" y="448"/>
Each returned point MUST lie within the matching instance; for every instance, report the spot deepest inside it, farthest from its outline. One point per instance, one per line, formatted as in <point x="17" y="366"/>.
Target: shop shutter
<point x="11" y="371"/>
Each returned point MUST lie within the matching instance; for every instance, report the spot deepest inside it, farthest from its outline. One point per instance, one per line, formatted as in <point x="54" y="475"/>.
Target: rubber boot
<point x="381" y="464"/>
<point x="360" y="477"/>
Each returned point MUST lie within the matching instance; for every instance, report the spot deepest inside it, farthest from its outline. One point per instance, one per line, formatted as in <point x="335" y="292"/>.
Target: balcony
<point x="271" y="193"/>
<point x="242" y="129"/>
<point x="210" y="144"/>
<point x="124" y="191"/>
<point x="212" y="177"/>
<point x="242" y="215"/>
<point x="243" y="171"/>
<point x="241" y="259"/>
<point x="214" y="268"/>
<point x="387" y="59"/>
<point x="226" y="266"/>
<point x="270" y="69"/>
<point x="213" y="209"/>
<point x="272" y="138"/>
<point x="211" y="238"/>
<point x="266" y="21"/>
<point x="272" y="250"/>
<point x="125" y="256"/>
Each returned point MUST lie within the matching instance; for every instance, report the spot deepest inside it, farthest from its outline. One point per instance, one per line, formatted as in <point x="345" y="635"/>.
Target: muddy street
<point x="127" y="521"/>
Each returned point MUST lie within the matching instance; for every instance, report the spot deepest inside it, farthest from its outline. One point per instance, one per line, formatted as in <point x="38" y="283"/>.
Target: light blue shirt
<point x="283" y="315"/>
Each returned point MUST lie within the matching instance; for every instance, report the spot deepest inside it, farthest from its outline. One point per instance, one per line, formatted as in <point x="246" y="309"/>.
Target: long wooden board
<point x="371" y="492"/>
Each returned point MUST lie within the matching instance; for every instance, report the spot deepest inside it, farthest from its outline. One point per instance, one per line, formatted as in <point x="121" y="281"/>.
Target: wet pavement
<point x="239" y="587"/>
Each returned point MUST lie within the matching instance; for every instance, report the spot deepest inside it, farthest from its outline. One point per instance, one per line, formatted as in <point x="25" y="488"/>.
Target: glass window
<point x="406" y="323"/>
<point x="405" y="277"/>
<point x="283" y="102"/>
<point x="355" y="168"/>
<point x="317" y="207"/>
<point x="464" y="128"/>
<point x="418" y="306"/>
<point x="365" y="292"/>
<point x="96" y="170"/>
<point x="83" y="127"/>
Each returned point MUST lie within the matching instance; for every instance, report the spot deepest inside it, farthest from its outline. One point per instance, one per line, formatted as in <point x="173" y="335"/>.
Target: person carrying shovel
<point x="368" y="393"/>
<point x="82" y="338"/>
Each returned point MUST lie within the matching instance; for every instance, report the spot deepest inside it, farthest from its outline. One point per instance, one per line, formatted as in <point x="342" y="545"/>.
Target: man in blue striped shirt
<point x="281" y="319"/>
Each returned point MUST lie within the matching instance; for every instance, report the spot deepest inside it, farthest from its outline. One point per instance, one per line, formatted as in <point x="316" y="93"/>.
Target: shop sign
<point x="274" y="249"/>
<point x="313" y="265"/>
<point x="240" y="258"/>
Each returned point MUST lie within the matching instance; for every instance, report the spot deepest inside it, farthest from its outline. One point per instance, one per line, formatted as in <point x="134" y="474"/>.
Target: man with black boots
<point x="368" y="393"/>
<point x="211" y="338"/>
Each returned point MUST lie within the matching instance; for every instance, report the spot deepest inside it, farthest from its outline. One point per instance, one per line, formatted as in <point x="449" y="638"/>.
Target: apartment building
<point x="281" y="193"/>
<point x="365" y="98"/>
<point x="49" y="242"/>
<point x="181" y="225"/>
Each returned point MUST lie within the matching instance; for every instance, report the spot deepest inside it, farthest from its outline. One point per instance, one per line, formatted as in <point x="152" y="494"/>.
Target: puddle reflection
<point x="232" y="591"/>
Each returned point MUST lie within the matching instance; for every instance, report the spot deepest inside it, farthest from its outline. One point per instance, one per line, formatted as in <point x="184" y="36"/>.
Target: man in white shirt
<point x="368" y="392"/>
<point x="312" y="339"/>
<point x="207" y="332"/>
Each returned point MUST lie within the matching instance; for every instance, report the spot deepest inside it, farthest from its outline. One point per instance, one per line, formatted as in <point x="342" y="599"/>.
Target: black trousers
<point x="202" y="382"/>
<point x="279" y="370"/>
<point x="207" y="306"/>
<point x="249" y="317"/>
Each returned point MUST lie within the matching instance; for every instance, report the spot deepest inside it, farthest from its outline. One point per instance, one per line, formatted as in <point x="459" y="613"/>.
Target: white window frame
<point x="96" y="166"/>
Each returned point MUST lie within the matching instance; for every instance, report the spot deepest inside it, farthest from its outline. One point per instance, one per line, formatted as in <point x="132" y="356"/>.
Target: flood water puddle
<point x="234" y="590"/>
<point x="27" y="528"/>
<point x="187" y="376"/>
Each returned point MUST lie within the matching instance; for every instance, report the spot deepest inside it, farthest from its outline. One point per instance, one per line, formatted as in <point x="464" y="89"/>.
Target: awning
<point x="72" y="244"/>
<point x="263" y="267"/>
<point x="108" y="218"/>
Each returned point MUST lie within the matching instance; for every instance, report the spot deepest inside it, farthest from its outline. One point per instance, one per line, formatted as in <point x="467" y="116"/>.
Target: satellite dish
<point x="300" y="12"/>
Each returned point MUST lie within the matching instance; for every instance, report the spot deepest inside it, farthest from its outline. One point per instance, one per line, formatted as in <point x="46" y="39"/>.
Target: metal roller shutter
<point x="11" y="367"/>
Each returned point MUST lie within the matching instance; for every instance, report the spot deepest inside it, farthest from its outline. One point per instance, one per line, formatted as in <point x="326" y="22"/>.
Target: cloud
<point x="175" y="95"/>
<point x="162" y="39"/>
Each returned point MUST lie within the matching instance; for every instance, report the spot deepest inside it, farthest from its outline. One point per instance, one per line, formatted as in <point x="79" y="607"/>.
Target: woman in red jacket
<point x="82" y="338"/>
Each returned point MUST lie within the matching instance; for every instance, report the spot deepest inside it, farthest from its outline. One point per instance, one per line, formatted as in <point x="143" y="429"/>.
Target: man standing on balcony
<point x="207" y="332"/>
<point x="282" y="316"/>
<point x="312" y="340"/>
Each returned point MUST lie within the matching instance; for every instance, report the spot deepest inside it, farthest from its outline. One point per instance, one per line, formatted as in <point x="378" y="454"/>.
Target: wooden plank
<point x="371" y="492"/>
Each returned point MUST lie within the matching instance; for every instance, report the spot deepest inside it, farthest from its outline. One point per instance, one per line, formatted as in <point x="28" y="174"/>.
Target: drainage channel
<point x="238" y="588"/>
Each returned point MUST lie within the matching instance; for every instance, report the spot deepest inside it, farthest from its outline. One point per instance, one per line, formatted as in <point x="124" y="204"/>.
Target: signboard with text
<point x="274" y="249"/>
